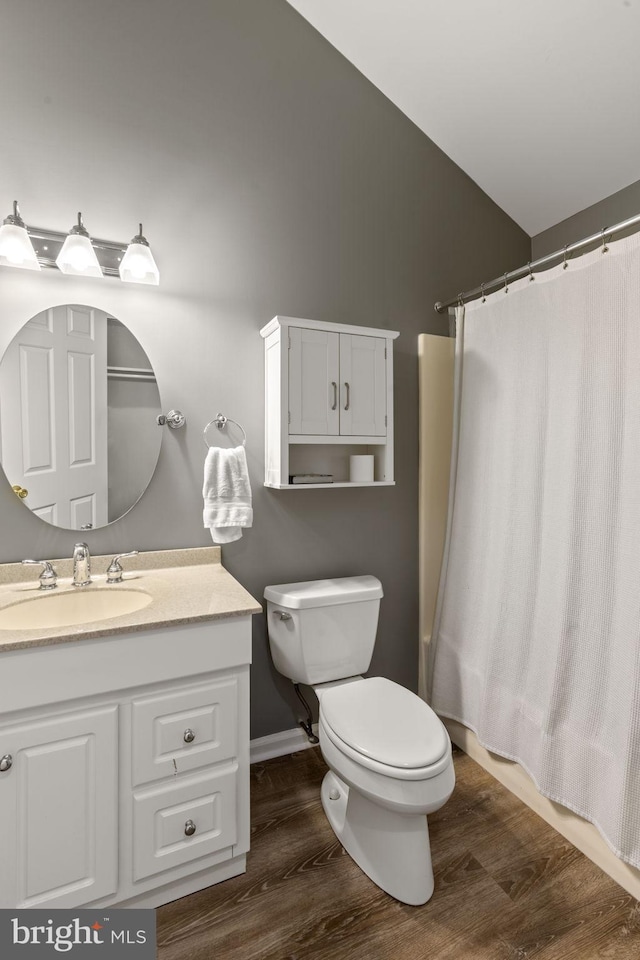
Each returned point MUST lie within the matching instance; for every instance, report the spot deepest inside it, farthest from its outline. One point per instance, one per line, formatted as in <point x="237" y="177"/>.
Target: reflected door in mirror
<point x="78" y="408"/>
<point x="53" y="415"/>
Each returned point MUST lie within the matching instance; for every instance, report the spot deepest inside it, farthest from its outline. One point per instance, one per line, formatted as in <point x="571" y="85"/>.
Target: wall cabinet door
<point x="337" y="384"/>
<point x="363" y="385"/>
<point x="313" y="382"/>
<point x="58" y="810"/>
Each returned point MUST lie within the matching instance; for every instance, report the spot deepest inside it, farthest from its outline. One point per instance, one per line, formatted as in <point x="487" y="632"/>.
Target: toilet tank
<point x="323" y="630"/>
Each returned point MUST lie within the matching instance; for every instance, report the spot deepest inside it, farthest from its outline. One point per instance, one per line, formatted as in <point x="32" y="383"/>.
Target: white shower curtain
<point x="537" y="635"/>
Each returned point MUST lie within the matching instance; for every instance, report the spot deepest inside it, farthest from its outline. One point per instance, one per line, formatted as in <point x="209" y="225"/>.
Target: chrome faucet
<point x="81" y="565"/>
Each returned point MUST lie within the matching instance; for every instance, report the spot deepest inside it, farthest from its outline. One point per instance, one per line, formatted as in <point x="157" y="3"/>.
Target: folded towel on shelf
<point x="226" y="493"/>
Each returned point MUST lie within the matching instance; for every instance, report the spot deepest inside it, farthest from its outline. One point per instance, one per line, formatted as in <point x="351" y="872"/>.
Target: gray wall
<point x="270" y="177"/>
<point x="614" y="209"/>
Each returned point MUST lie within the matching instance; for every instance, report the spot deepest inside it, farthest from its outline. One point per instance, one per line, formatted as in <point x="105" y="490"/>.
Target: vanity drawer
<point x="191" y="818"/>
<point x="184" y="730"/>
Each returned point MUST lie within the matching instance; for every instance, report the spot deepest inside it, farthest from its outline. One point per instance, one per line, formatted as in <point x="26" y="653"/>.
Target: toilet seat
<point x="385" y="728"/>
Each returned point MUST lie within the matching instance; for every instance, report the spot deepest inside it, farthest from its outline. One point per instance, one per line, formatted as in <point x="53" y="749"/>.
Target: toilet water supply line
<point x="307" y="725"/>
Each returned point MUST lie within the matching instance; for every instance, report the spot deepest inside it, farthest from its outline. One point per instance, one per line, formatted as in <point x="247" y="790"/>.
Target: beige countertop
<point x="186" y="586"/>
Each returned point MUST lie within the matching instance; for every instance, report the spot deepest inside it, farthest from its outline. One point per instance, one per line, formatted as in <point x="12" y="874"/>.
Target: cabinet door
<point x="313" y="382"/>
<point x="58" y="810"/>
<point x="363" y="386"/>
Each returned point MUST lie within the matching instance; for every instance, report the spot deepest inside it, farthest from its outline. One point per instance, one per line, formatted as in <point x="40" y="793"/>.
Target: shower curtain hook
<point x="461" y="299"/>
<point x="564" y="257"/>
<point x="605" y="248"/>
<point x="506" y="286"/>
<point x="482" y="292"/>
<point x="531" y="276"/>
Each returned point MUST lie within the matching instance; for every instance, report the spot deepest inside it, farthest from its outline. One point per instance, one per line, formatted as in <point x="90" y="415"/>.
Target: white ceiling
<point x="537" y="100"/>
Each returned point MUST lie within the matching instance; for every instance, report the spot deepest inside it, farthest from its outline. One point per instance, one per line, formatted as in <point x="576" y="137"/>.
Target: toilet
<point x="389" y="755"/>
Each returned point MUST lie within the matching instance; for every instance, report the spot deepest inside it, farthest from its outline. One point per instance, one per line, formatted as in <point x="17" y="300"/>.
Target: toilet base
<point x="391" y="848"/>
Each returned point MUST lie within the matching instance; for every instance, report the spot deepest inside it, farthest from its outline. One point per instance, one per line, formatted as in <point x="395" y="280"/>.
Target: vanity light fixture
<point x="16" y="248"/>
<point x="138" y="265"/>
<point x="75" y="253"/>
<point x="77" y="256"/>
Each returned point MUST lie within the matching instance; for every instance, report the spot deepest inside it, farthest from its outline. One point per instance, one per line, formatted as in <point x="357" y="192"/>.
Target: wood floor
<point x="508" y="887"/>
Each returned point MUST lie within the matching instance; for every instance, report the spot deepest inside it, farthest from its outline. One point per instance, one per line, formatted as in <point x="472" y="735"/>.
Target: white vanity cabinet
<point x="329" y="394"/>
<point x="128" y="777"/>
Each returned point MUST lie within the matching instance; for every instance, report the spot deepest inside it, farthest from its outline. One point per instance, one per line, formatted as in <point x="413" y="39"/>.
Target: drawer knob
<point x="189" y="735"/>
<point x="189" y="828"/>
<point x="6" y="762"/>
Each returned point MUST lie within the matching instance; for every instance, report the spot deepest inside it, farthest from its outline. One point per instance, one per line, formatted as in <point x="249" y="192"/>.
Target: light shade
<point x="77" y="255"/>
<point x="138" y="265"/>
<point x="16" y="249"/>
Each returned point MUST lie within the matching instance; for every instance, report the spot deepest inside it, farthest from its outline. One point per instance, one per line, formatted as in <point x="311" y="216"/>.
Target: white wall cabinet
<point x="329" y="394"/>
<point x="137" y="792"/>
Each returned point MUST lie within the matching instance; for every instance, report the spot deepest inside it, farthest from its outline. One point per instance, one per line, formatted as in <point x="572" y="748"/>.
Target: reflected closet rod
<point x="522" y="271"/>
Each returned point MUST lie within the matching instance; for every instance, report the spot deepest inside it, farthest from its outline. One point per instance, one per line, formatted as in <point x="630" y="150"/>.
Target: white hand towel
<point x="226" y="493"/>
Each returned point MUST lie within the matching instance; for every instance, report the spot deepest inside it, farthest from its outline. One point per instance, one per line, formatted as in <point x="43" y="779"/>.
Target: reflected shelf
<point x="334" y="483"/>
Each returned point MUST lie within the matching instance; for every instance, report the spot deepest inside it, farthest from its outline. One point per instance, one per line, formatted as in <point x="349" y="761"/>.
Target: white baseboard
<point x="579" y="832"/>
<point x="279" y="744"/>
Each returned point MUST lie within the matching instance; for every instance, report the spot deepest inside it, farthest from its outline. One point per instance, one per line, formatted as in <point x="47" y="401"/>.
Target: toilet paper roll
<point x="361" y="468"/>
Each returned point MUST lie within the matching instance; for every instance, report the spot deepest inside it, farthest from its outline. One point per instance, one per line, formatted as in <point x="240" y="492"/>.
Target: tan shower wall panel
<point x="436" y="361"/>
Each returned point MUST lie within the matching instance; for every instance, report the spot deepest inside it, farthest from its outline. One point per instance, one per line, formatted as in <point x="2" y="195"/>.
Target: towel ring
<point x="221" y="421"/>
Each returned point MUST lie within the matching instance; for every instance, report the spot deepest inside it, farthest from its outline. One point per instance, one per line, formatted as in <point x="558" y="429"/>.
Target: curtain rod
<point x="529" y="267"/>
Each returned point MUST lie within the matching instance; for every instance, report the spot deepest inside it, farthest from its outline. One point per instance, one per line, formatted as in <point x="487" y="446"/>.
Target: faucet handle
<point x="48" y="577"/>
<point x="114" y="570"/>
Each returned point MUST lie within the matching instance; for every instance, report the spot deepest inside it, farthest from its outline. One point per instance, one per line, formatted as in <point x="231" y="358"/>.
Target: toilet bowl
<point x="390" y="764"/>
<point x="389" y="755"/>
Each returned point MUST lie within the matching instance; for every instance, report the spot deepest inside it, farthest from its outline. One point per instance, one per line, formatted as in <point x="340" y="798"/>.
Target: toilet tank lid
<point x="324" y="593"/>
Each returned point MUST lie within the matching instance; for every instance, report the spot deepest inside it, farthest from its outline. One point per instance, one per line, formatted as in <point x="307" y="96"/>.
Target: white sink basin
<point x="72" y="608"/>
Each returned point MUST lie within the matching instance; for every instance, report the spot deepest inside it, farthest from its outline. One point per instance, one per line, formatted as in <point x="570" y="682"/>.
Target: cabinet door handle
<point x="189" y="828"/>
<point x="348" y="389"/>
<point x="335" y="395"/>
<point x="189" y="735"/>
<point x="6" y="763"/>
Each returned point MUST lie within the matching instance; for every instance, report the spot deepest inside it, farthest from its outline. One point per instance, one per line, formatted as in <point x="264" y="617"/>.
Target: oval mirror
<point x="79" y="440"/>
